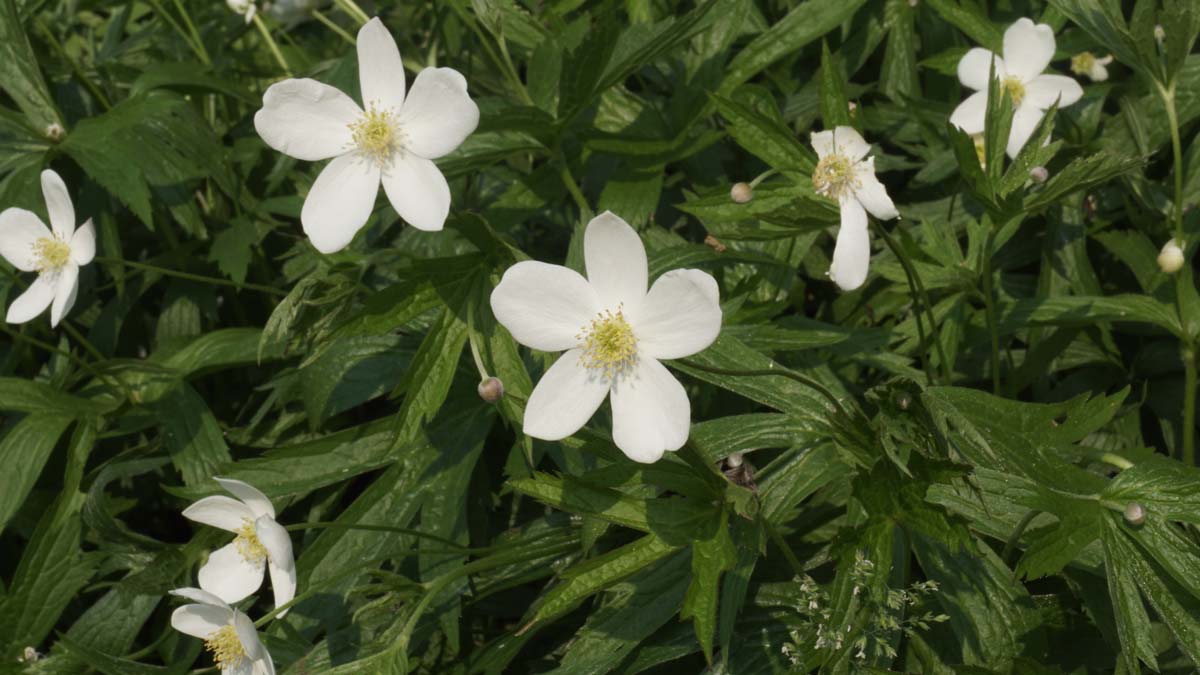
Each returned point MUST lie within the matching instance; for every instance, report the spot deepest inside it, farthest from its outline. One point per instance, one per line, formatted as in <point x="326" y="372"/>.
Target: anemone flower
<point x="229" y="635"/>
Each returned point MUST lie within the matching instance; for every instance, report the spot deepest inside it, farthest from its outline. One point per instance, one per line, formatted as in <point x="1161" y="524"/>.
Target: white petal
<point x="306" y="119"/>
<point x="564" y="399"/>
<point x="852" y="252"/>
<point x="380" y="70"/>
<point x="221" y="512"/>
<point x="1028" y="48"/>
<point x="971" y="113"/>
<point x="850" y="143"/>
<point x="871" y="193"/>
<point x="418" y="192"/>
<point x="1043" y="90"/>
<point x="83" y="244"/>
<point x="247" y="635"/>
<point x="680" y="316"/>
<point x="544" y="306"/>
<point x="975" y="66"/>
<point x="651" y="412"/>
<point x="204" y="597"/>
<point x="264" y="665"/>
<point x="229" y="576"/>
<point x="1098" y="72"/>
<point x="438" y="115"/>
<point x="280" y="562"/>
<point x="199" y="620"/>
<point x="340" y="202"/>
<point x="34" y="300"/>
<point x="616" y="262"/>
<point x="66" y="287"/>
<point x="251" y="496"/>
<point x="1024" y="123"/>
<point x="58" y="204"/>
<point x="19" y="231"/>
<point x="822" y="143"/>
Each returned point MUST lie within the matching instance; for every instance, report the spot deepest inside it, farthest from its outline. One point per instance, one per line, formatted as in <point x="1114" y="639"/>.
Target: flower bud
<point x="491" y="390"/>
<point x="1039" y="174"/>
<point x="1170" y="259"/>
<point x="1135" y="514"/>
<point x="741" y="193"/>
<point x="1159" y="33"/>
<point x="54" y="132"/>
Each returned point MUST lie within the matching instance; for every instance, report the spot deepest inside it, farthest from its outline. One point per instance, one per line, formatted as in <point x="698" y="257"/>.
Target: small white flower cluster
<point x="233" y="573"/>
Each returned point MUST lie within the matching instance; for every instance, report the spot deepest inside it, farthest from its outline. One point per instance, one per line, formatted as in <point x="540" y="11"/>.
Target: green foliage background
<point x="992" y="424"/>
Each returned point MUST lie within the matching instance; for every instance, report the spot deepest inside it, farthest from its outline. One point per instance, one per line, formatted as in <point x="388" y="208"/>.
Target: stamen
<point x="248" y="543"/>
<point x="609" y="344"/>
<point x="51" y="253"/>
<point x="226" y="647"/>
<point x="1015" y="89"/>
<point x="1082" y="63"/>
<point x="376" y="134"/>
<point x="834" y="175"/>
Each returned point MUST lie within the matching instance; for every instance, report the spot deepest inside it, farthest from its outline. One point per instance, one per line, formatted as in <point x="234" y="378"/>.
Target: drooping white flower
<point x="1170" y="258"/>
<point x="235" y="571"/>
<point x="1028" y="49"/>
<point x="229" y="635"/>
<point x="393" y="139"/>
<point x="55" y="253"/>
<point x="247" y="8"/>
<point x="1086" y="63"/>
<point x="614" y="333"/>
<point x="845" y="174"/>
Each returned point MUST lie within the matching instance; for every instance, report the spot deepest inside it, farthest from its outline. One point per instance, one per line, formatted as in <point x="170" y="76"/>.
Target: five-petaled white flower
<point x="614" y="333"/>
<point x="392" y="139"/>
<point x="247" y="8"/>
<point x="227" y="633"/>
<point x="1086" y="63"/>
<point x="845" y="174"/>
<point x="55" y="253"/>
<point x="1028" y="49"/>
<point x="235" y="571"/>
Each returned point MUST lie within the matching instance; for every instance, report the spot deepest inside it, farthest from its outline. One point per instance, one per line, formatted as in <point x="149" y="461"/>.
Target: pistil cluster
<point x="248" y="543"/>
<point x="51" y="253"/>
<point x="377" y="134"/>
<point x="609" y="344"/>
<point x="226" y="647"/>
<point x="1015" y="88"/>
<point x="834" y="176"/>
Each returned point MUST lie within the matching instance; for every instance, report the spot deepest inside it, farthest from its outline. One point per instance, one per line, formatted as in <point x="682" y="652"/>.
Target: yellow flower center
<point x="1015" y="88"/>
<point x="1082" y="63"/>
<point x="834" y="176"/>
<point x="609" y="345"/>
<point x="226" y="647"/>
<point x="51" y="253"/>
<point x="376" y="134"/>
<point x="980" y="150"/>
<point x="248" y="543"/>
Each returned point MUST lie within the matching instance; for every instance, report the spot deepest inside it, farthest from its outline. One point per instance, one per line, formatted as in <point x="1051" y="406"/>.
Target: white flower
<point x="292" y="11"/>
<point x="614" y="333"/>
<point x="55" y="253"/>
<point x="1028" y="49"/>
<point x="235" y="571"/>
<point x="845" y="174"/>
<point x="394" y="141"/>
<point x="247" y="8"/>
<point x="1170" y="258"/>
<point x="227" y="633"/>
<point x="1086" y="63"/>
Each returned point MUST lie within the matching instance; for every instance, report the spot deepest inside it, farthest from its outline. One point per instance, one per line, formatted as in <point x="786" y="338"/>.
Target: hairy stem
<point x="191" y="277"/>
<point x="989" y="300"/>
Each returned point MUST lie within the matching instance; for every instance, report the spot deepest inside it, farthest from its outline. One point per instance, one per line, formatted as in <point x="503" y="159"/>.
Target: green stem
<point x="1189" y="406"/>
<point x="585" y="211"/>
<point x="780" y="371"/>
<point x="198" y="50"/>
<point x="379" y="528"/>
<point x="272" y="45"/>
<point x="1016" y="535"/>
<point x="918" y="290"/>
<point x="187" y="20"/>
<point x="83" y="342"/>
<point x="1168" y="96"/>
<point x="782" y="544"/>
<point x="75" y="68"/>
<point x="316" y="14"/>
<point x="353" y="10"/>
<point x="191" y="277"/>
<point x="989" y="301"/>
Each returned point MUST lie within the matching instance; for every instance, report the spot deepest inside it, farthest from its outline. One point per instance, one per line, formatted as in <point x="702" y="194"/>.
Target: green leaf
<point x="1086" y="311"/>
<point x="764" y="136"/>
<point x="31" y="396"/>
<point x="1082" y="174"/>
<point x="710" y="558"/>
<point x="20" y="76"/>
<point x="835" y="107"/>
<point x="971" y="20"/>
<point x="426" y="385"/>
<point x="191" y="434"/>
<point x="24" y="450"/>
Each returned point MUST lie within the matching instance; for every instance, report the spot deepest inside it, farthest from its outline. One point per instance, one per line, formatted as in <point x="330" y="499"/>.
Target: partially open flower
<point x="1086" y="63"/>
<point x="1170" y="258"/>
<point x="235" y="571"/>
<point x="1028" y="49"/>
<point x="391" y="140"/>
<point x="247" y="8"/>
<point x="846" y="175"/>
<point x="55" y="253"/>
<point x="615" y="333"/>
<point x="229" y="635"/>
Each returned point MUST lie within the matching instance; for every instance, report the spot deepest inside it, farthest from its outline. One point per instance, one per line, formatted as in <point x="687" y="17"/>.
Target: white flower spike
<point x="1028" y="49"/>
<point x="1086" y="63"/>
<point x="614" y="333"/>
<point x="235" y="571"/>
<point x="393" y="139"/>
<point x="229" y="635"/>
<point x="56" y="253"/>
<point x="845" y="174"/>
<point x="247" y="8"/>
